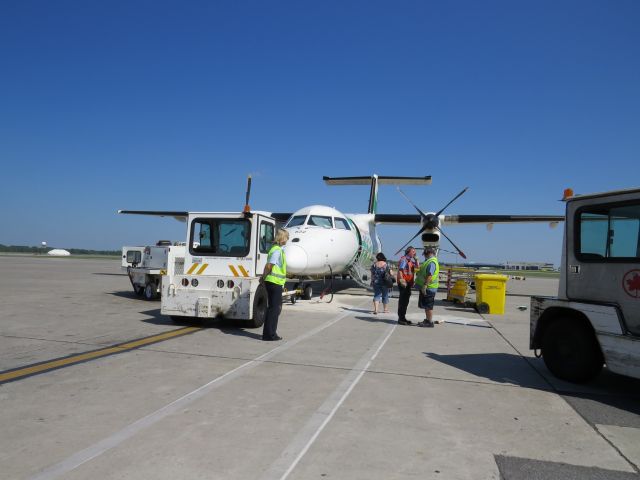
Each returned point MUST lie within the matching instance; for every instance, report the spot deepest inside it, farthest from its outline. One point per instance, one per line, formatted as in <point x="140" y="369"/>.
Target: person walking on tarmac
<point x="274" y="278"/>
<point x="407" y="266"/>
<point x="427" y="281"/>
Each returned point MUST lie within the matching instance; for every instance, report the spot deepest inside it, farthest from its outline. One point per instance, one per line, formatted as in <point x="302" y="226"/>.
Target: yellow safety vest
<point x="421" y="276"/>
<point x="278" y="274"/>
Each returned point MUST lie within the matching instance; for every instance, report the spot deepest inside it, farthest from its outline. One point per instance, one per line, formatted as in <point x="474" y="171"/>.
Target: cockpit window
<point x="341" y="224"/>
<point x="320" y="221"/>
<point x="296" y="220"/>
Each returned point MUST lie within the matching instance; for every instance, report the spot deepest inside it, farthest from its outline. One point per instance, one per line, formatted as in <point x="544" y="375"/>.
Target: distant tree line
<point x="72" y="251"/>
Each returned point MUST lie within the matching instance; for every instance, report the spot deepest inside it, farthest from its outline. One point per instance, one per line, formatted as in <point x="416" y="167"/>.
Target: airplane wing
<point x="411" y="219"/>
<point x="281" y="217"/>
<point x="180" y="216"/>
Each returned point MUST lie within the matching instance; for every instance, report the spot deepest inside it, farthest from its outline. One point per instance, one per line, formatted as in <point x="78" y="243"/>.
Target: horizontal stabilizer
<point x="374" y="181"/>
<point x="382" y="180"/>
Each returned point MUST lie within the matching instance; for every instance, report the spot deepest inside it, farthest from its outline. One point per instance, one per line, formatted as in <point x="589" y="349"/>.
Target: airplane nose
<point x="296" y="258"/>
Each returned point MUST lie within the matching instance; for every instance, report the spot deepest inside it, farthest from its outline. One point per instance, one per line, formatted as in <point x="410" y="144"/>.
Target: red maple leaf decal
<point x="633" y="284"/>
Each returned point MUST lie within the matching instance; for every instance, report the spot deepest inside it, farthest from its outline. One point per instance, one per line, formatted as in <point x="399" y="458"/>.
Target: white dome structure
<point x="58" y="252"/>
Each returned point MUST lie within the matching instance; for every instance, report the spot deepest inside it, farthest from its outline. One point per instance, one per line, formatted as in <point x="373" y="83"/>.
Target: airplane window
<point x="296" y="221"/>
<point x="341" y="224"/>
<point x="320" y="221"/>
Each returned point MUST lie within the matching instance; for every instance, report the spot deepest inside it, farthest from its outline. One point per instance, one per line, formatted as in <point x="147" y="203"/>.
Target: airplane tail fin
<point x="374" y="181"/>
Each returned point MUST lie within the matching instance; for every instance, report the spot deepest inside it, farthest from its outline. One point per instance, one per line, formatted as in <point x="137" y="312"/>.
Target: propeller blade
<point x="422" y="214"/>
<point x="454" y="199"/>
<point x="407" y="244"/>
<point x="451" y="242"/>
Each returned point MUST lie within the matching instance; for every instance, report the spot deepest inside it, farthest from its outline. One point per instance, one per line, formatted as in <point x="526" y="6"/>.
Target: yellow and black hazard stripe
<point x="199" y="267"/>
<point x="242" y="270"/>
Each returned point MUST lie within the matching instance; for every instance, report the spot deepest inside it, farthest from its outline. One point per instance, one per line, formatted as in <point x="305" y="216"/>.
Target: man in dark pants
<point x="407" y="267"/>
<point x="274" y="278"/>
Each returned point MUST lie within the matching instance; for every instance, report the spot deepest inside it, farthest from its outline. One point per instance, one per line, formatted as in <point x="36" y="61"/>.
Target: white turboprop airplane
<point x="324" y="241"/>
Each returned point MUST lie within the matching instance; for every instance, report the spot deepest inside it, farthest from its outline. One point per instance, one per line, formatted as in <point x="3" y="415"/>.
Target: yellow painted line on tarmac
<point x="21" y="372"/>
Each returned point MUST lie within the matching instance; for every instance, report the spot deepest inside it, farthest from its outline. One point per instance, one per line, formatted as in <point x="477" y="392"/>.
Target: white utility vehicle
<point x="218" y="275"/>
<point x="595" y="319"/>
<point x="146" y="265"/>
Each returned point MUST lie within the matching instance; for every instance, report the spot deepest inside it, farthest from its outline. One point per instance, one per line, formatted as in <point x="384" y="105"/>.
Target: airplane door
<point x="265" y="239"/>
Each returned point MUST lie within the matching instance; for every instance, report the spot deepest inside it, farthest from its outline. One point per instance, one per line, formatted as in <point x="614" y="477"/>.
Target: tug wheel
<point x="260" y="303"/>
<point x="150" y="291"/>
<point x="570" y="350"/>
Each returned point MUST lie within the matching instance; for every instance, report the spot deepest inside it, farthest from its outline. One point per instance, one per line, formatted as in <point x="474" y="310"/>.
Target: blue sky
<point x="159" y="105"/>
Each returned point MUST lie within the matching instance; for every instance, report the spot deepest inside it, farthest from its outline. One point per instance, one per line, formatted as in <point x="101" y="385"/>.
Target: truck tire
<point x="570" y="350"/>
<point x="260" y="300"/>
<point x="150" y="291"/>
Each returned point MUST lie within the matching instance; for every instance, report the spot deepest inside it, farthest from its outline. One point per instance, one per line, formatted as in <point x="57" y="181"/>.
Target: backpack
<point x="388" y="279"/>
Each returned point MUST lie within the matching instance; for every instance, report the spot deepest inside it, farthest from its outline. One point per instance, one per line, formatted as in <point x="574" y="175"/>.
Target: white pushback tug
<point x="218" y="276"/>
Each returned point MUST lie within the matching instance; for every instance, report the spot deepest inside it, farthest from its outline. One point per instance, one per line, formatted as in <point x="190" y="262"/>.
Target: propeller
<point x="431" y="221"/>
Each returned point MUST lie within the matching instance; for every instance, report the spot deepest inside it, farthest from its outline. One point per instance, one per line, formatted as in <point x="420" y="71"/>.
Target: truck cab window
<point x="220" y="237"/>
<point x="266" y="237"/>
<point x="609" y="233"/>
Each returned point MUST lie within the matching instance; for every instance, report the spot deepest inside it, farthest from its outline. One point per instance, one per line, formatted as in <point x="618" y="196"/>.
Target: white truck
<point x="218" y="273"/>
<point x="146" y="265"/>
<point x="595" y="319"/>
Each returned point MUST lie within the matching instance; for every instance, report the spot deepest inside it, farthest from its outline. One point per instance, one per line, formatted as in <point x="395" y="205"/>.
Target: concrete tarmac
<point x="346" y="394"/>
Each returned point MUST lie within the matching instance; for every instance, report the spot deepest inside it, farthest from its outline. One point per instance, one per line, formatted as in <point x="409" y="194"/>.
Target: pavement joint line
<point x="339" y="368"/>
<point x="77" y="358"/>
<point x="307" y="436"/>
<point x="79" y="458"/>
<point x="559" y="392"/>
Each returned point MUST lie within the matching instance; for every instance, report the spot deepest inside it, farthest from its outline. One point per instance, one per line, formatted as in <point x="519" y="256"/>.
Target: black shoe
<point x="272" y="339"/>
<point x="426" y="323"/>
<point x="404" y="322"/>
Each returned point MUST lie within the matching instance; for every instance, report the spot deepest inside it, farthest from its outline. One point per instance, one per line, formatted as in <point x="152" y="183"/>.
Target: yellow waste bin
<point x="491" y="293"/>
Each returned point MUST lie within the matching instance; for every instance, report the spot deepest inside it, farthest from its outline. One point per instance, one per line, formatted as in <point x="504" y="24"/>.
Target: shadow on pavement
<point x="497" y="367"/>
<point x="226" y="326"/>
<point x="376" y="319"/>
<point x="619" y="395"/>
<point x="130" y="294"/>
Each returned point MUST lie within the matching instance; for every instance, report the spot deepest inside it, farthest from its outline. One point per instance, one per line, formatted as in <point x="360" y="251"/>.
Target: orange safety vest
<point x="408" y="271"/>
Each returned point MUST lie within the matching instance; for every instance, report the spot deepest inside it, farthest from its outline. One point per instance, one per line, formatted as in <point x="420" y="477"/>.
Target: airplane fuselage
<point x="323" y="240"/>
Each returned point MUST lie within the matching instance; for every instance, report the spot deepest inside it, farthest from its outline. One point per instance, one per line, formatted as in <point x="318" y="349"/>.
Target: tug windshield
<point x="223" y="237"/>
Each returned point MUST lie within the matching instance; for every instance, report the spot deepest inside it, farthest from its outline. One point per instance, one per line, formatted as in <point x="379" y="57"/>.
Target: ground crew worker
<point x="427" y="281"/>
<point x="274" y="278"/>
<point x="407" y="267"/>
